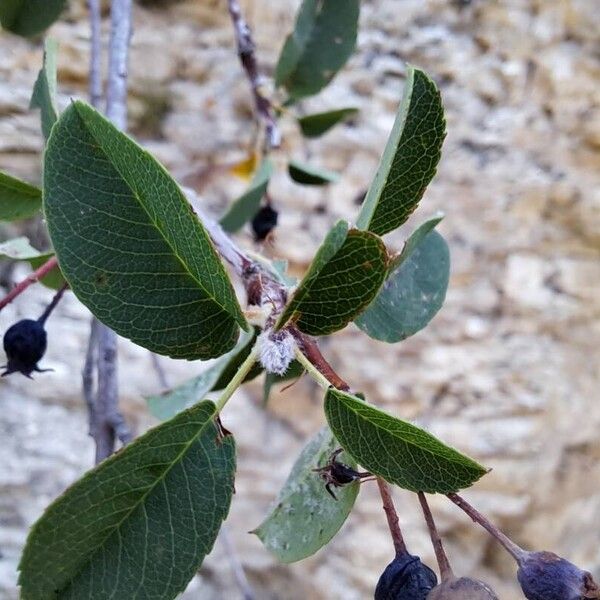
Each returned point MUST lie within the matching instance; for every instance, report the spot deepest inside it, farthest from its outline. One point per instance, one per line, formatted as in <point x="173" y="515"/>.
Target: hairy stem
<point x="392" y="517"/>
<point x="235" y="383"/>
<point x="246" y="52"/>
<point x="42" y="271"/>
<point x="513" y="549"/>
<point x="436" y="541"/>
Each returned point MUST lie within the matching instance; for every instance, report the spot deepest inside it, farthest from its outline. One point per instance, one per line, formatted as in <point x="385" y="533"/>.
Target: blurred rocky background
<point x="509" y="369"/>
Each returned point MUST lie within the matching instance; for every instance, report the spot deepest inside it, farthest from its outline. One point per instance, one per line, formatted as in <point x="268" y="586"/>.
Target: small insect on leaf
<point x="337" y="474"/>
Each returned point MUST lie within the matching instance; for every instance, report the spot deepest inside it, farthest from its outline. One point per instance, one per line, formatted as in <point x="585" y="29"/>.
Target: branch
<point x="87" y="375"/>
<point x="513" y="549"/>
<point x="38" y="274"/>
<point x="95" y="53"/>
<point x="116" y="94"/>
<point x="106" y="422"/>
<point x="246" y="48"/>
<point x="436" y="541"/>
<point x="392" y="517"/>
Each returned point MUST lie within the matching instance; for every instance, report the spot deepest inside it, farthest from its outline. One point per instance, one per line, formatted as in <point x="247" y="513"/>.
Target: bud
<point x="405" y="578"/>
<point x="24" y="344"/>
<point x="264" y="221"/>
<point x="546" y="576"/>
<point x="463" y="588"/>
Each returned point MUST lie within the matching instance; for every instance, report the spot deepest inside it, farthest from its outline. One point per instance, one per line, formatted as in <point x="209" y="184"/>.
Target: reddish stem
<point x="440" y="554"/>
<point x="392" y="517"/>
<point x="38" y="274"/>
<point x="513" y="549"/>
<point x="309" y="348"/>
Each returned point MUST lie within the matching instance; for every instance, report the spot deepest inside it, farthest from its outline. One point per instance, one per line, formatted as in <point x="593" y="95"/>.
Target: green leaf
<point x="246" y="206"/>
<point x="140" y="524"/>
<point x="305" y="517"/>
<point x="309" y="175"/>
<point x="294" y="371"/>
<point x="323" y="39"/>
<point x="216" y="377"/>
<point x="130" y="245"/>
<point x="29" y="17"/>
<point x="417" y="236"/>
<point x="410" y="157"/>
<point x="342" y="280"/>
<point x="413" y="292"/>
<point x="20" y="249"/>
<point x="401" y="453"/>
<point x="319" y="123"/>
<point x="279" y="268"/>
<point x="44" y="90"/>
<point x="18" y="200"/>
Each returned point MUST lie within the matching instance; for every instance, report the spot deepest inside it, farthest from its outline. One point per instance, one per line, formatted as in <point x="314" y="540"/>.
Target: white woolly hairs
<point x="276" y="351"/>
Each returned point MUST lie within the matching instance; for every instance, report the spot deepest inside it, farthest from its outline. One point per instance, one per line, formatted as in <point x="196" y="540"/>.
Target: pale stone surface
<point x="509" y="369"/>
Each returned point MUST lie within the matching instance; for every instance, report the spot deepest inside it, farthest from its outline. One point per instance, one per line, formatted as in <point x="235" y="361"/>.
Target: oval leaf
<point x="139" y="524"/>
<point x="246" y="206"/>
<point x="399" y="452"/>
<point x="29" y="17"/>
<point x="413" y="292"/>
<point x="44" y="90"/>
<point x="309" y="175"/>
<point x="342" y="280"/>
<point x="216" y="377"/>
<point x="410" y="157"/>
<point x="21" y="249"/>
<point x="319" y="123"/>
<point x="305" y="517"/>
<point x="323" y="39"/>
<point x="18" y="200"/>
<point x="130" y="245"/>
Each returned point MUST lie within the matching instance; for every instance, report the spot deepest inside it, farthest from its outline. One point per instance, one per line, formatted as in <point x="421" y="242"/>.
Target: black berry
<point x="546" y="576"/>
<point x="405" y="578"/>
<point x="264" y="221"/>
<point x="462" y="588"/>
<point x="24" y="344"/>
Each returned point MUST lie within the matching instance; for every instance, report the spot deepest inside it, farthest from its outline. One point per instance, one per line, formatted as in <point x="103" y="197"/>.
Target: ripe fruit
<point x="547" y="576"/>
<point x="264" y="221"/>
<point x="405" y="578"/>
<point x="463" y="588"/>
<point x="25" y="344"/>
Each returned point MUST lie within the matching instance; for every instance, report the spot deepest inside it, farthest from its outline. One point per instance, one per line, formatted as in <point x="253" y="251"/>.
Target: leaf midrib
<point x="153" y="221"/>
<point x="473" y="465"/>
<point x="374" y="193"/>
<point x="158" y="481"/>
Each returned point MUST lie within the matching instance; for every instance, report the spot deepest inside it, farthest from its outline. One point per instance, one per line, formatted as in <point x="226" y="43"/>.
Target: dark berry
<point x="24" y="344"/>
<point x="546" y="576"/>
<point x="462" y="588"/>
<point x="264" y="221"/>
<point x="405" y="578"/>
